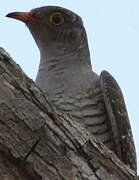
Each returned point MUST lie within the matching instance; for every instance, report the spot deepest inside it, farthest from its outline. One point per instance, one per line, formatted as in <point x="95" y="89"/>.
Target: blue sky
<point x="113" y="34"/>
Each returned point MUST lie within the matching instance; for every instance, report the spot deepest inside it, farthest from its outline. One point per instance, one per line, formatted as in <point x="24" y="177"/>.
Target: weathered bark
<point x="37" y="142"/>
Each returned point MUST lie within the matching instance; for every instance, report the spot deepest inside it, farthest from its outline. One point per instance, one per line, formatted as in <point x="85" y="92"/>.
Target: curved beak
<point x="26" y="17"/>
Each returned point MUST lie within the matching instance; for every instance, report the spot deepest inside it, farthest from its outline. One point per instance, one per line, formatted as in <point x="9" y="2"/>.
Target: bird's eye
<point x="57" y="18"/>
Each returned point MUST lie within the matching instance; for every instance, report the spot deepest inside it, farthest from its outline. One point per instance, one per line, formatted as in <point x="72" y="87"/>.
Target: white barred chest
<point x="86" y="107"/>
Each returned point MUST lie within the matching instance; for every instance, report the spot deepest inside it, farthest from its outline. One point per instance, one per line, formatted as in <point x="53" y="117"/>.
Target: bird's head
<point x="52" y="25"/>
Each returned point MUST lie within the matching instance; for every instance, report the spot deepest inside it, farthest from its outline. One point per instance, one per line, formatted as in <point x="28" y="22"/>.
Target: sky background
<point x="113" y="34"/>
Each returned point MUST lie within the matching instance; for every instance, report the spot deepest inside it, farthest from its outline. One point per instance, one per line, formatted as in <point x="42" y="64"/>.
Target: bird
<point x="65" y="73"/>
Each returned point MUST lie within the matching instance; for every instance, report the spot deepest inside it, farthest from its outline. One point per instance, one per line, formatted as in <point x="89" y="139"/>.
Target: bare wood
<point x="37" y="142"/>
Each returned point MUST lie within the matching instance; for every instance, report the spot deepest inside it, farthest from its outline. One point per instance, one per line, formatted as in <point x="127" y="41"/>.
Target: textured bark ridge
<point x="37" y="142"/>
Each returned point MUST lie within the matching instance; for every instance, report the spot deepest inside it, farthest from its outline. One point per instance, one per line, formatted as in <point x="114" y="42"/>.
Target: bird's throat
<point x="57" y="69"/>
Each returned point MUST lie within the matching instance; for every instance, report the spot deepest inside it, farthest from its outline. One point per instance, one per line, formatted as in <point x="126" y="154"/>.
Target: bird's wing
<point x="122" y="137"/>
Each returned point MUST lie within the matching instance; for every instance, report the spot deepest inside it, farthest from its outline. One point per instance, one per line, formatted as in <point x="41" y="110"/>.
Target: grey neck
<point x="58" y="65"/>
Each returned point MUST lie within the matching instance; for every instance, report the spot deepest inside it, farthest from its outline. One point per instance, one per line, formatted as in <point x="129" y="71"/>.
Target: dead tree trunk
<point x="36" y="142"/>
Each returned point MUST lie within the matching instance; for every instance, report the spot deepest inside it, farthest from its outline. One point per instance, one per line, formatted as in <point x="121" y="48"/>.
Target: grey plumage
<point x="65" y="73"/>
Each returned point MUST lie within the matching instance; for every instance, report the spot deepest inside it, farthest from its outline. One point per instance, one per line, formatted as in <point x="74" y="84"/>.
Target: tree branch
<point x="37" y="142"/>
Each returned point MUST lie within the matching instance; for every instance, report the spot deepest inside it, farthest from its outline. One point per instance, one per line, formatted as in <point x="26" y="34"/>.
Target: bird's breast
<point x="78" y="92"/>
<point x="87" y="107"/>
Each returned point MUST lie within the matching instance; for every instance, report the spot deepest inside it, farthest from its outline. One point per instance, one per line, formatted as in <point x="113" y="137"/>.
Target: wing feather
<point x="122" y="137"/>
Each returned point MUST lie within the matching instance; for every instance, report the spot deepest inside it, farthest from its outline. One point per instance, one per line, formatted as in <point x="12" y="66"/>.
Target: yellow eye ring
<point x="57" y="18"/>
